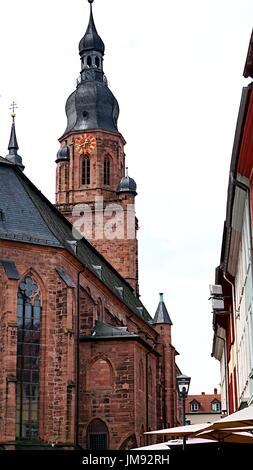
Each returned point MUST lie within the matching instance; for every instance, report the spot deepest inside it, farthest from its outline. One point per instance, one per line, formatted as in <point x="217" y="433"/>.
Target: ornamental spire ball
<point x="90" y="1"/>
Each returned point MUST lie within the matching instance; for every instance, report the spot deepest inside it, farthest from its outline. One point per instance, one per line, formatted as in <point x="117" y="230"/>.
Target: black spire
<point x="13" y="156"/>
<point x="91" y="40"/>
<point x="92" y="105"/>
<point x="161" y="315"/>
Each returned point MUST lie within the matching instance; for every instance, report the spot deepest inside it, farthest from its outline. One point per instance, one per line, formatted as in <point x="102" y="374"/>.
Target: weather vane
<point x="13" y="106"/>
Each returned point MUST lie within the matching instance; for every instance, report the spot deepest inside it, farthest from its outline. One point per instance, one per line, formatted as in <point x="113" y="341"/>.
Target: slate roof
<point x="29" y="217"/>
<point x="91" y="40"/>
<point x="20" y="218"/>
<point x="105" y="330"/>
<point x="162" y="315"/>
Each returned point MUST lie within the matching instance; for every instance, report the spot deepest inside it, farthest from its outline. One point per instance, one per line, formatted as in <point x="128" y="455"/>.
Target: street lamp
<point x="183" y="385"/>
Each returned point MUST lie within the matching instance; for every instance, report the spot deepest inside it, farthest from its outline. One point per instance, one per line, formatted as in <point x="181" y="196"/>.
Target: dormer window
<point x="216" y="406"/>
<point x="195" y="406"/>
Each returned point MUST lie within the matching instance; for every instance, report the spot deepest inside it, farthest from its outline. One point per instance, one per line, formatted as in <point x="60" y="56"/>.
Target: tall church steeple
<point x="13" y="156"/>
<point x="91" y="160"/>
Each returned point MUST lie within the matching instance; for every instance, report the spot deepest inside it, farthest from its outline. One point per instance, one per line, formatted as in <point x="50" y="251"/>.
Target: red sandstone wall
<point x="122" y="406"/>
<point x="121" y="253"/>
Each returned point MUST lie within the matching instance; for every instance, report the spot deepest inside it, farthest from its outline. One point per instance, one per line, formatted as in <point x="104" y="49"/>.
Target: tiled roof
<point x="205" y="402"/>
<point x="29" y="217"/>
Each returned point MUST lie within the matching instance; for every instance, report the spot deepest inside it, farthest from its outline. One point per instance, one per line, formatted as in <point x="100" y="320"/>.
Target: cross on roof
<point x="13" y="106"/>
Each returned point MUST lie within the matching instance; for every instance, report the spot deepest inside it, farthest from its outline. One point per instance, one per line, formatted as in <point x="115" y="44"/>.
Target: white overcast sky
<point x="176" y="69"/>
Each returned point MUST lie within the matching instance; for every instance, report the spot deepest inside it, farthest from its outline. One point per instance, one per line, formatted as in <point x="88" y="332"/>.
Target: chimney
<point x="215" y="391"/>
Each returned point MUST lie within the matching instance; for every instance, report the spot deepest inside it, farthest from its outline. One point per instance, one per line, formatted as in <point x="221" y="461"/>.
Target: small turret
<point x="63" y="153"/>
<point x="127" y="185"/>
<point x="162" y="315"/>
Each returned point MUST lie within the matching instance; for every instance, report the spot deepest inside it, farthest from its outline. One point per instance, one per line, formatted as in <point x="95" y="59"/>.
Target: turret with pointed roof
<point x="162" y="315"/>
<point x="13" y="156"/>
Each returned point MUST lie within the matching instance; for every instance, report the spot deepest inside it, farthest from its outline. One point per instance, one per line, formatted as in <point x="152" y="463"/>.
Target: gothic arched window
<point x="107" y="171"/>
<point x="28" y="355"/>
<point x="97" y="435"/>
<point x="86" y="170"/>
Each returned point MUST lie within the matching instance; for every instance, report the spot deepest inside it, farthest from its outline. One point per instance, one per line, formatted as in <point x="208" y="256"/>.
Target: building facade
<point x="203" y="408"/>
<point x="82" y="362"/>
<point x="233" y="319"/>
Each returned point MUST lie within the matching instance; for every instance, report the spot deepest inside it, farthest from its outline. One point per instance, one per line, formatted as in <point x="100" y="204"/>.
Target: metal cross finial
<point x="13" y="106"/>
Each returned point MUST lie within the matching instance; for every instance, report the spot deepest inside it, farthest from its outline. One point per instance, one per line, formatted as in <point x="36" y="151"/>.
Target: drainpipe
<point x="147" y="391"/>
<point x="77" y="357"/>
<point x="235" y="329"/>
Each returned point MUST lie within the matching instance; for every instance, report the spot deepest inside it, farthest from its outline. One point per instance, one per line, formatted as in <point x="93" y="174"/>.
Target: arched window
<point x="89" y="61"/>
<point x="100" y="375"/>
<point x="107" y="171"/>
<point x="97" y="435"/>
<point x="141" y="376"/>
<point x="86" y="170"/>
<point x="97" y="62"/>
<point x="28" y="354"/>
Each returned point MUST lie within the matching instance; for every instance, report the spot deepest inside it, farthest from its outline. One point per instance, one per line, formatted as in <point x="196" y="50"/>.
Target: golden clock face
<point x="85" y="143"/>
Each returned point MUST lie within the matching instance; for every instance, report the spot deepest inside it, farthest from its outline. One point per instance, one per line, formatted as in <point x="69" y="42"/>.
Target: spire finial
<point x="12" y="107"/>
<point x="127" y="171"/>
<point x="161" y="296"/>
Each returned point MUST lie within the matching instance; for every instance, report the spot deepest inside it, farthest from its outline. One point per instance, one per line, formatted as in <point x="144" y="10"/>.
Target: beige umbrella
<point x="190" y="430"/>
<point x="176" y="442"/>
<point x="160" y="446"/>
<point x="239" y="419"/>
<point x="226" y="435"/>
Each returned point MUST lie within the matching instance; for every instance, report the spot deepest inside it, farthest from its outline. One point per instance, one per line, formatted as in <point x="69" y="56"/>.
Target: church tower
<point x="93" y="189"/>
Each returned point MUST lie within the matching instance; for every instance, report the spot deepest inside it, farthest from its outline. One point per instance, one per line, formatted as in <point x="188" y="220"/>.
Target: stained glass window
<point x="28" y="354"/>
